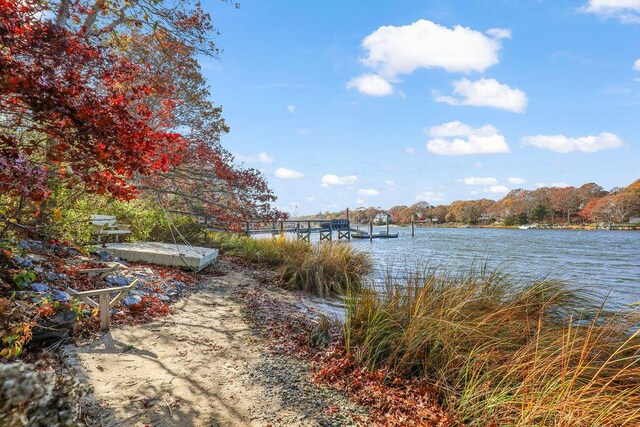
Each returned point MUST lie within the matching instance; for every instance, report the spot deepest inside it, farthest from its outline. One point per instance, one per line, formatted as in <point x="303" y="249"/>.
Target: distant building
<point x="381" y="218"/>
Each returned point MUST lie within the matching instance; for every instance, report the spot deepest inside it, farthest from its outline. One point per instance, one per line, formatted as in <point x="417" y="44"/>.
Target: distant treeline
<point x="549" y="205"/>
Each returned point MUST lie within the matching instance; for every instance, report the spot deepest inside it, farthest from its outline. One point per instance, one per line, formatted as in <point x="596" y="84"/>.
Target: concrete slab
<point x="168" y="254"/>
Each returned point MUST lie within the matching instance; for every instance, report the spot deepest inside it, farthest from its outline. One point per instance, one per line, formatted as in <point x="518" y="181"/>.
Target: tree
<point x="75" y="113"/>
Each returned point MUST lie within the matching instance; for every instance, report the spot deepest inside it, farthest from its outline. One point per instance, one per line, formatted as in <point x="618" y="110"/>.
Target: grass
<point x="501" y="353"/>
<point x="323" y="269"/>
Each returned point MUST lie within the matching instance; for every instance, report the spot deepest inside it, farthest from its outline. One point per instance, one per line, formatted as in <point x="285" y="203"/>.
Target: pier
<point x="302" y="228"/>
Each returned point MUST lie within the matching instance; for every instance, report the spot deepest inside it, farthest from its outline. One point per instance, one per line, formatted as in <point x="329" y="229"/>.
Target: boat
<point x="379" y="235"/>
<point x="524" y="227"/>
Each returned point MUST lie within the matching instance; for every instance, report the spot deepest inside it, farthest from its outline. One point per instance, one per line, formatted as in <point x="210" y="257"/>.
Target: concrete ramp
<point x="169" y="254"/>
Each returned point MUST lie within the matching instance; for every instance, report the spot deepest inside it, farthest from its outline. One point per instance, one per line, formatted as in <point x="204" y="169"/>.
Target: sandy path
<point x="197" y="367"/>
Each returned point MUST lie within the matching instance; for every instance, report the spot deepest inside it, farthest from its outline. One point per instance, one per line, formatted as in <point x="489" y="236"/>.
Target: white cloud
<point x="261" y="157"/>
<point x="291" y="108"/>
<point x="430" y="196"/>
<point x="553" y="184"/>
<point x="457" y="138"/>
<point x="499" y="33"/>
<point x="478" y="165"/>
<point x="636" y="65"/>
<point x="496" y="189"/>
<point x="285" y="173"/>
<point x="368" y="192"/>
<point x="478" y="180"/>
<point x="389" y="182"/>
<point x="564" y="144"/>
<point x="410" y="150"/>
<point x="311" y="199"/>
<point x="392" y="51"/>
<point x="332" y="179"/>
<point x="359" y="201"/>
<point x="486" y="93"/>
<point x="627" y="11"/>
<point x="516" y="180"/>
<point x="371" y="84"/>
<point x="425" y="44"/>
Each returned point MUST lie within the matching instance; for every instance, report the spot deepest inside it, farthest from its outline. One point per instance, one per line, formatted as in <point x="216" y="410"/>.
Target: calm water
<point x="604" y="260"/>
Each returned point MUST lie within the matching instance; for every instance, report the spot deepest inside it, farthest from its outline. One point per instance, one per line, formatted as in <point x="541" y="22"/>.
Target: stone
<point x="57" y="328"/>
<point x="36" y="258"/>
<point x="132" y="299"/>
<point x="59" y="295"/>
<point x="51" y="276"/>
<point x="23" y="262"/>
<point x="104" y="256"/>
<point x="117" y="281"/>
<point x="162" y="297"/>
<point x="40" y="287"/>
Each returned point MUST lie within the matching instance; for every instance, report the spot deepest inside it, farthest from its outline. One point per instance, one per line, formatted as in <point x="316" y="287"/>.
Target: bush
<point x="500" y="353"/>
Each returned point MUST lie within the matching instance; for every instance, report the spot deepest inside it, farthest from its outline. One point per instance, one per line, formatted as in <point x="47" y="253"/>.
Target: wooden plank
<point x="107" y="291"/>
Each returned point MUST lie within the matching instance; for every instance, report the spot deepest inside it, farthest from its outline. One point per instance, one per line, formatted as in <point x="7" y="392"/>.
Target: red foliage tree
<point x="74" y="112"/>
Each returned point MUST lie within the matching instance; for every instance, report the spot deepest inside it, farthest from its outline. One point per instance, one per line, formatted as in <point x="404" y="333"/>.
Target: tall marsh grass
<point x="324" y="268"/>
<point x="502" y="353"/>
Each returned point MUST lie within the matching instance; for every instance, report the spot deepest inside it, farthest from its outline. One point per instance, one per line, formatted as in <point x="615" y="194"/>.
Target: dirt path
<point x="201" y="366"/>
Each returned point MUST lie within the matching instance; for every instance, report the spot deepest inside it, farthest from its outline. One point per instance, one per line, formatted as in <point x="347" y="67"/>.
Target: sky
<point x="382" y="103"/>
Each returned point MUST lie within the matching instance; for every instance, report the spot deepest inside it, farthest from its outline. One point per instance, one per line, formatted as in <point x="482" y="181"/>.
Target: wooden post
<point x="371" y="231"/>
<point x="248" y="231"/>
<point x="281" y="228"/>
<point x="413" y="231"/>
<point x="298" y="230"/>
<point x="387" y="224"/>
<point x="348" y="226"/>
<point x="104" y="312"/>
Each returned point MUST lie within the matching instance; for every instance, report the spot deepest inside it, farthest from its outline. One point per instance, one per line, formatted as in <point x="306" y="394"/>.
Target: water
<point x="607" y="261"/>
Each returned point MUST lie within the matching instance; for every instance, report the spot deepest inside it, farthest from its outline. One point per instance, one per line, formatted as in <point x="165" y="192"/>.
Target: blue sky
<point x="360" y="103"/>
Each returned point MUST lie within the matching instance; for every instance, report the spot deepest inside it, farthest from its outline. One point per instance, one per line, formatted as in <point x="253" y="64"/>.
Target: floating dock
<point x="169" y="254"/>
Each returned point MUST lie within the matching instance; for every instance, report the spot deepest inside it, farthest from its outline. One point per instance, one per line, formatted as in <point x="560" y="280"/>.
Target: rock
<point x="104" y="255"/>
<point x="36" y="258"/>
<point x="40" y="287"/>
<point x="51" y="276"/>
<point x="59" y="295"/>
<point x="38" y="270"/>
<point x="132" y="299"/>
<point x="24" y="294"/>
<point x="57" y="328"/>
<point x="139" y="293"/>
<point x="162" y="297"/>
<point x="116" y="281"/>
<point x="23" y="262"/>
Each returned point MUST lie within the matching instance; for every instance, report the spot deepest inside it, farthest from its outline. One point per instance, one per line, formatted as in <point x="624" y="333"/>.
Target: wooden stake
<point x="104" y="311"/>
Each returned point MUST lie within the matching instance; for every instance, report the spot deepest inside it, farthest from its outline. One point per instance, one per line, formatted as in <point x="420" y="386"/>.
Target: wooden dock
<point x="302" y="228"/>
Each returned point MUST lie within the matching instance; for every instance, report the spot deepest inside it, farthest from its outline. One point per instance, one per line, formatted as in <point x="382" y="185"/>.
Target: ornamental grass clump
<point x="322" y="268"/>
<point x="501" y="353"/>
